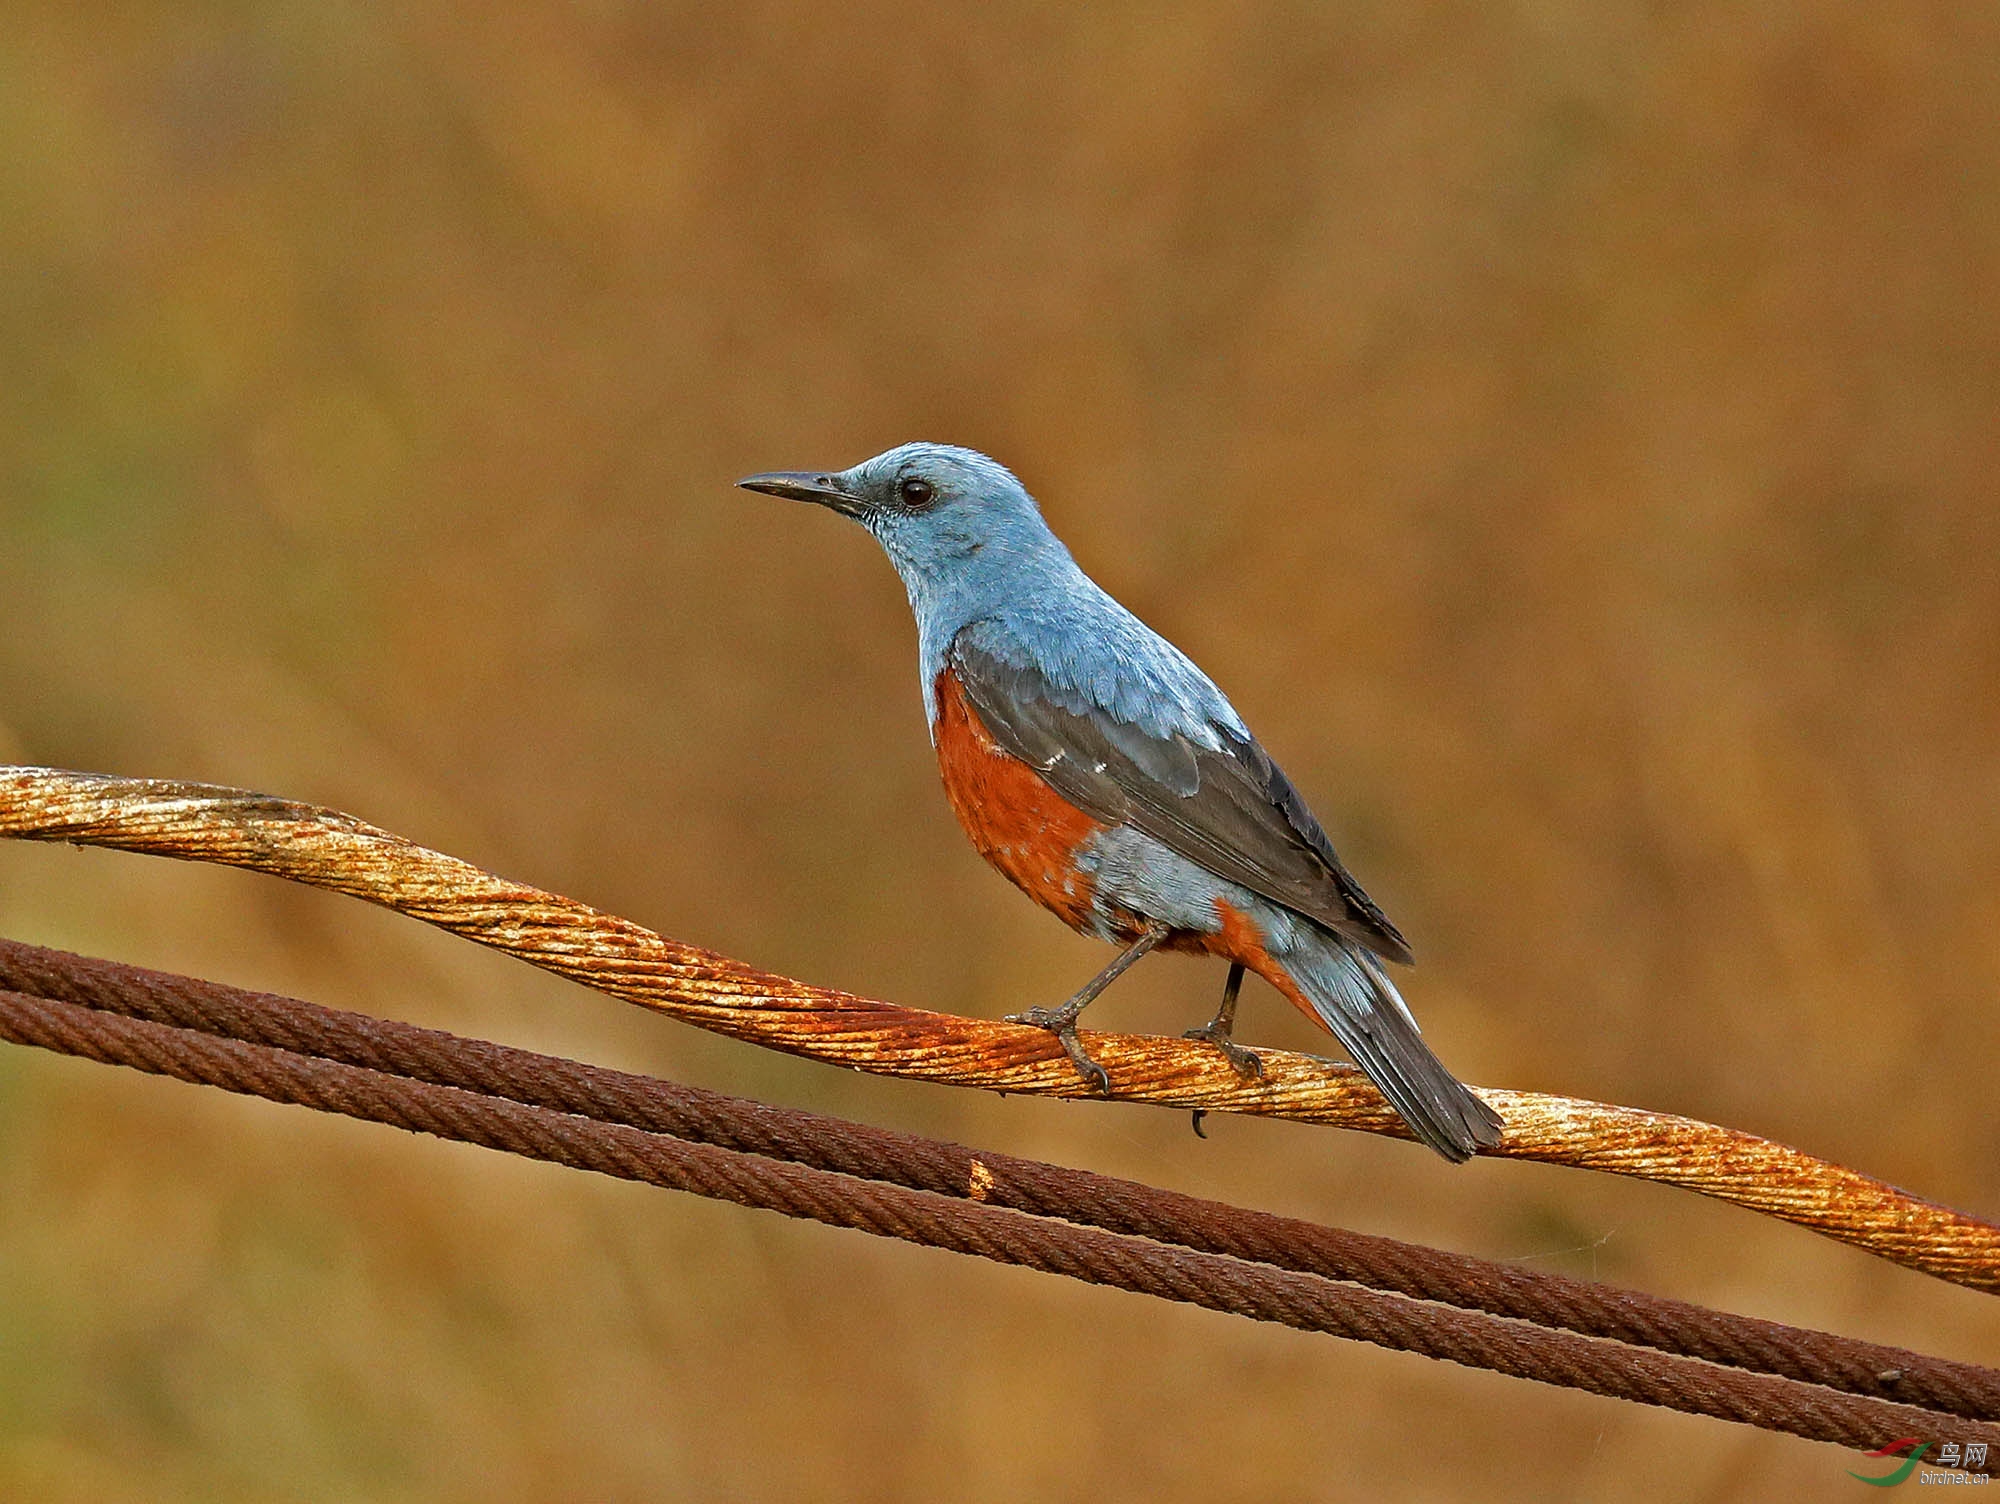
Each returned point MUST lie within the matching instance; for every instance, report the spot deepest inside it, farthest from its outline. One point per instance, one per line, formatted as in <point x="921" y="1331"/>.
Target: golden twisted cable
<point x="327" y="849"/>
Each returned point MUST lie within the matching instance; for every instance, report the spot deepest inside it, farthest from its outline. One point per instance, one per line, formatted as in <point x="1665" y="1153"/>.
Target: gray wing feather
<point x="1228" y="808"/>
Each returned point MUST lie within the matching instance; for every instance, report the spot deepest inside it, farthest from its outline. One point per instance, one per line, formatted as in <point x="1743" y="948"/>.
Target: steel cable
<point x="585" y="1120"/>
<point x="327" y="849"/>
<point x="1002" y="1180"/>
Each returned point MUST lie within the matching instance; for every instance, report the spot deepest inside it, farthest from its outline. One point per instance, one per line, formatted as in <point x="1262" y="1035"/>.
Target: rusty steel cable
<point x="328" y="849"/>
<point x="1309" y="1302"/>
<point x="1078" y="1196"/>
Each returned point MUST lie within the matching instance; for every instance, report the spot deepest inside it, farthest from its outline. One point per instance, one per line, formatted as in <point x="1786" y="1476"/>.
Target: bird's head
<point x="946" y="516"/>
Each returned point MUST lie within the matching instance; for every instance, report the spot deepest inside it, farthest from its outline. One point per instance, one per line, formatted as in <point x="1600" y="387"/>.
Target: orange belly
<point x="1018" y="823"/>
<point x="1240" y="940"/>
<point x="1030" y="833"/>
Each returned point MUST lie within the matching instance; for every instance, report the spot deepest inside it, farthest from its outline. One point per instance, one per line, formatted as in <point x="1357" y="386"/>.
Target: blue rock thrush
<point x="1107" y="778"/>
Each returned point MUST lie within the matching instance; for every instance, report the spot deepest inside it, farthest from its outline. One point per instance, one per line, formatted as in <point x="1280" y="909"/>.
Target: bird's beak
<point x="807" y="485"/>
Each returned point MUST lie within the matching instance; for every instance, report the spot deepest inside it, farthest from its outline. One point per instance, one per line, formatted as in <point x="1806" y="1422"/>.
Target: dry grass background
<point x="1567" y="429"/>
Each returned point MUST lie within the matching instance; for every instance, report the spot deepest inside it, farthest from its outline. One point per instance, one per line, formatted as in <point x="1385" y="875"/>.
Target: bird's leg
<point x="1061" y="1021"/>
<point x="1216" y="1031"/>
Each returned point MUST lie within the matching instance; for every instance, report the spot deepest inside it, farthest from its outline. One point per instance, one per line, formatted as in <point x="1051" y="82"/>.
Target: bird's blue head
<point x="971" y="547"/>
<point x="961" y="530"/>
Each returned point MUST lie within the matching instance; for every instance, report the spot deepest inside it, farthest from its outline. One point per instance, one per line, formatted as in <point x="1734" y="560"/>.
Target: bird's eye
<point x="917" y="494"/>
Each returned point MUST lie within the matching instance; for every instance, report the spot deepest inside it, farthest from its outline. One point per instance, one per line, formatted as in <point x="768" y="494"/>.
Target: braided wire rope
<point x="965" y="1224"/>
<point x="1047" y="1190"/>
<point x="327" y="849"/>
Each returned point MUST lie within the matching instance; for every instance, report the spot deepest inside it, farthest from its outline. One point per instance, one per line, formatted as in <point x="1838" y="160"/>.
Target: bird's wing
<point x="1228" y="808"/>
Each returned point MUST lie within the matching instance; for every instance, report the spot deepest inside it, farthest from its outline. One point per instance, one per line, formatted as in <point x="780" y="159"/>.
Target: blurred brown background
<point x="1567" y="430"/>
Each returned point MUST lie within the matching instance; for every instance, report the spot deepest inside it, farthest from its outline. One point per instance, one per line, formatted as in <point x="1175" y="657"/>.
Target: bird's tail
<point x="1351" y="994"/>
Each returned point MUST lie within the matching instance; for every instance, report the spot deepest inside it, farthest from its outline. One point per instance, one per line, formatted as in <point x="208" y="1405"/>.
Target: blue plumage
<point x="981" y="557"/>
<point x="1179" y="827"/>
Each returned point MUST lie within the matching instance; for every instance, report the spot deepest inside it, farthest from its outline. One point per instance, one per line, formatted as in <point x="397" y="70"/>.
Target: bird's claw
<point x="1246" y="1062"/>
<point x="1055" y="1020"/>
<point x="1090" y="1070"/>
<point x="1061" y="1022"/>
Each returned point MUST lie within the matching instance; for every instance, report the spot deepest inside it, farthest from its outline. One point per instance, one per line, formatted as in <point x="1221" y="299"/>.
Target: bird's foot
<point x="1246" y="1062"/>
<point x="1061" y="1022"/>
